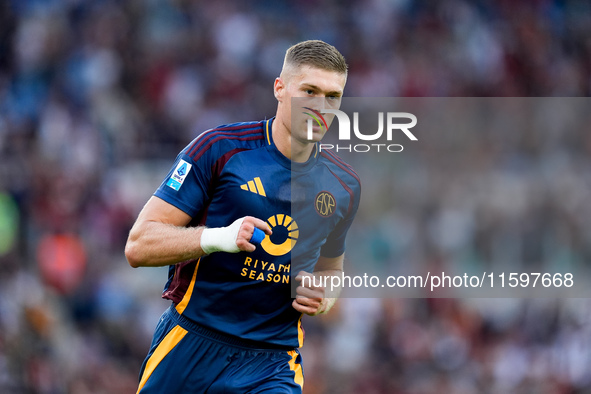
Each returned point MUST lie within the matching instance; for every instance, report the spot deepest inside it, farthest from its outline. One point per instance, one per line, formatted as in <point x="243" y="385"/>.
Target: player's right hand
<point x="233" y="238"/>
<point x="246" y="232"/>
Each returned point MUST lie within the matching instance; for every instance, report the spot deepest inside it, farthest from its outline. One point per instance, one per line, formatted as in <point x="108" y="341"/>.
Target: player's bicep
<point x="330" y="263"/>
<point x="158" y="210"/>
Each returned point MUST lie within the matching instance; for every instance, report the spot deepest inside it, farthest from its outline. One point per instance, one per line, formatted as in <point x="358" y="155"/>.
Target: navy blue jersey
<point x="234" y="171"/>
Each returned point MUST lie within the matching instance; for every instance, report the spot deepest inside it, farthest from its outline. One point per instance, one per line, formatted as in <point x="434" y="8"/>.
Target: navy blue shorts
<point x="187" y="358"/>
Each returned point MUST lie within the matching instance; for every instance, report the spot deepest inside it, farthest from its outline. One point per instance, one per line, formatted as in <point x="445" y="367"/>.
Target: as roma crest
<point x="325" y="204"/>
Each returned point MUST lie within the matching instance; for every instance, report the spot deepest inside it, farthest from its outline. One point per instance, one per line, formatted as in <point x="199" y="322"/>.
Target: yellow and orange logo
<point x="281" y="223"/>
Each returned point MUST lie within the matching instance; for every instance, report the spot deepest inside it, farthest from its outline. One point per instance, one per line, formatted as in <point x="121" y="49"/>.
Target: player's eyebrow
<point x="337" y="93"/>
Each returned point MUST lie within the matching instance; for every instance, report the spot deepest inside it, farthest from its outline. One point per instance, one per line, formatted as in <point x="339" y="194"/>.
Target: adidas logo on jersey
<point x="255" y="186"/>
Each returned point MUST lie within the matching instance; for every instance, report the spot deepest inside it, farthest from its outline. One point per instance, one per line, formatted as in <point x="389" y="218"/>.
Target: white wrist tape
<point x="221" y="239"/>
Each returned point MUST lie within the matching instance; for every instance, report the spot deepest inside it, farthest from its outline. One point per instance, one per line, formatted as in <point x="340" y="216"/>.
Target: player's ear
<point x="278" y="88"/>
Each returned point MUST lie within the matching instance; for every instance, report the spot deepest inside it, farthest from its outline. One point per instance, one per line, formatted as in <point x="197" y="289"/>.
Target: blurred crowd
<point x="494" y="185"/>
<point x="97" y="97"/>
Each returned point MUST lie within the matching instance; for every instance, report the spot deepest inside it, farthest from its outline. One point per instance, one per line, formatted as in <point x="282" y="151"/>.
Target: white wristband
<point x="221" y="239"/>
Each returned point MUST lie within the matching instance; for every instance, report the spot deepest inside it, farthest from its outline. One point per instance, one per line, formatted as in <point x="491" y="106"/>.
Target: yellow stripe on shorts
<point x="168" y="343"/>
<point x="296" y="368"/>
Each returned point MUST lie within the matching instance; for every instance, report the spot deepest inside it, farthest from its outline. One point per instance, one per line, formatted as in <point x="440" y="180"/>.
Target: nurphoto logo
<point x="392" y="128"/>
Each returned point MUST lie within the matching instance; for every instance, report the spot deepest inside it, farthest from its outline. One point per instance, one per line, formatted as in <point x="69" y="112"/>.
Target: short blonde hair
<point x="316" y="53"/>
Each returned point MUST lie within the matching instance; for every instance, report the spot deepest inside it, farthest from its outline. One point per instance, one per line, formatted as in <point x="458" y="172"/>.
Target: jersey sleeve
<point x="335" y="242"/>
<point x="188" y="182"/>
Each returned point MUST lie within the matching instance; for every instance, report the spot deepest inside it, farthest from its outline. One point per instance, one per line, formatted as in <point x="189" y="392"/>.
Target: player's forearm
<point x="154" y="244"/>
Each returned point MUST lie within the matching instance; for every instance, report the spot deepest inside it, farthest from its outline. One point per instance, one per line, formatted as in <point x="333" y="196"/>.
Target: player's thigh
<point x="156" y="371"/>
<point x="178" y="359"/>
<point x="284" y="388"/>
<point x="265" y="372"/>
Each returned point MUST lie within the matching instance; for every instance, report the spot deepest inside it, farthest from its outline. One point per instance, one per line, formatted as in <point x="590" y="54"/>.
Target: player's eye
<point x="309" y="91"/>
<point x="333" y="99"/>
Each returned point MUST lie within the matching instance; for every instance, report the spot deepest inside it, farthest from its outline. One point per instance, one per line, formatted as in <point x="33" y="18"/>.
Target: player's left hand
<point x="309" y="300"/>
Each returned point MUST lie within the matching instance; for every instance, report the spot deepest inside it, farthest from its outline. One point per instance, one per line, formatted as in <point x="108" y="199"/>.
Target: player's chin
<point x="318" y="131"/>
<point x="316" y="137"/>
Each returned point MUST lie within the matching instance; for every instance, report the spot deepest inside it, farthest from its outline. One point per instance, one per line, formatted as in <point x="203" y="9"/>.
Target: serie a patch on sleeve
<point x="178" y="175"/>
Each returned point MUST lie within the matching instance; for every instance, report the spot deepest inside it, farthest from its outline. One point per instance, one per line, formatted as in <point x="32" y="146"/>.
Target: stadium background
<point x="96" y="98"/>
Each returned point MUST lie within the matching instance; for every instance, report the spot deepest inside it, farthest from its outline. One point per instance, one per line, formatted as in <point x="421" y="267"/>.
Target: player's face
<point x="323" y="90"/>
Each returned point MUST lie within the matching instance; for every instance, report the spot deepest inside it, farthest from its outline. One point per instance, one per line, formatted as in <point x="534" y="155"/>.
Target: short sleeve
<point x="335" y="242"/>
<point x="187" y="184"/>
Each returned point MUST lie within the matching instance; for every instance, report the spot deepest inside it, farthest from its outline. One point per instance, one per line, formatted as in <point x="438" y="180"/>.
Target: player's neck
<point x="290" y="147"/>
